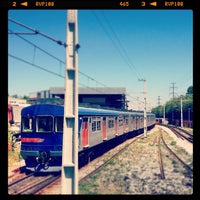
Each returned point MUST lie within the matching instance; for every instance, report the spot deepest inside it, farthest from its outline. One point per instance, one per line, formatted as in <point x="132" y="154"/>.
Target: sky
<point x="118" y="48"/>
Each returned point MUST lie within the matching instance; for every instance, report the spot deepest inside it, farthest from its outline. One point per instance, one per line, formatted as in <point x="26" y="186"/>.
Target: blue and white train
<point x="42" y="131"/>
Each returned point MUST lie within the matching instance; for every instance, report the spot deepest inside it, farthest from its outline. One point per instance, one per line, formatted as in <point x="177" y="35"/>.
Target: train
<point x="42" y="131"/>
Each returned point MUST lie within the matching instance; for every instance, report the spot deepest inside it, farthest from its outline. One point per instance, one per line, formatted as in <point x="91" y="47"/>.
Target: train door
<point x="129" y="123"/>
<point x="133" y="122"/>
<point x="104" y="129"/>
<point x="124" y="124"/>
<point x="137" y="122"/>
<point x="85" y="133"/>
<point x="116" y="126"/>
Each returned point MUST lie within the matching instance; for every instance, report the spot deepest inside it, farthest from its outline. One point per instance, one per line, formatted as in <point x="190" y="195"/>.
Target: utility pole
<point x="173" y="88"/>
<point x="69" y="177"/>
<point x="145" y="109"/>
<point x="181" y="112"/>
<point x="158" y="100"/>
<point x="164" y="112"/>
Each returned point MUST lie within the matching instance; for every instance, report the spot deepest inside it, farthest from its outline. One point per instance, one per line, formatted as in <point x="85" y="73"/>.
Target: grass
<point x="85" y="188"/>
<point x="13" y="158"/>
<point x="112" y="177"/>
<point x="173" y="143"/>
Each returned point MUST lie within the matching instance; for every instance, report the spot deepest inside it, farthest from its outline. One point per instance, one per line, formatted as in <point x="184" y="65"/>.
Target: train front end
<point x="41" y="136"/>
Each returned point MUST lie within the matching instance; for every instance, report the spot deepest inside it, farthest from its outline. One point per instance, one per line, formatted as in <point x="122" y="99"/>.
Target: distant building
<point x="90" y="97"/>
<point x="104" y="97"/>
<point x="15" y="106"/>
<point x="16" y="101"/>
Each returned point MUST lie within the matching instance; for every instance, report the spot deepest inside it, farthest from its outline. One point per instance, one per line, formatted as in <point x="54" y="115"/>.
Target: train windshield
<point x="44" y="124"/>
<point x="27" y="124"/>
<point x="59" y="124"/>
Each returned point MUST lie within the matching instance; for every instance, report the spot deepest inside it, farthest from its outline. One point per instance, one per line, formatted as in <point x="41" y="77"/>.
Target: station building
<point x="102" y="97"/>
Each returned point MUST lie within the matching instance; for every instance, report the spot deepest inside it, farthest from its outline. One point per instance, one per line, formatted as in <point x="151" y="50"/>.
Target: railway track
<point x="161" y="156"/>
<point x="101" y="164"/>
<point x="35" y="183"/>
<point x="180" y="133"/>
<point x="32" y="183"/>
<point x="94" y="167"/>
<point x="160" y="159"/>
<point x="138" y="170"/>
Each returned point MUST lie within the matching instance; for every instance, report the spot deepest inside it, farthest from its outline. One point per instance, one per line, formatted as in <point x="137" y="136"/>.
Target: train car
<point x="42" y="130"/>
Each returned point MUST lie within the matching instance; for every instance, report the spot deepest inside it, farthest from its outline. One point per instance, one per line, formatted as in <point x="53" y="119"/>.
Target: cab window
<point x="58" y="124"/>
<point x="44" y="124"/>
<point x="27" y="124"/>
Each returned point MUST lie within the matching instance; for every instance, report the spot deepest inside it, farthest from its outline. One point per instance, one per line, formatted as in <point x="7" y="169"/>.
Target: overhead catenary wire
<point x="110" y="37"/>
<point x="37" y="66"/>
<point x="36" y="46"/>
<point x="35" y="31"/>
<point x="122" y="49"/>
<point x="51" y="55"/>
<point x="116" y="43"/>
<point x="38" y="32"/>
<point x="51" y="72"/>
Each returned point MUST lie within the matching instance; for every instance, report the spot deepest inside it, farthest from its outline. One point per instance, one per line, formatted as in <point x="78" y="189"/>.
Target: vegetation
<point x="173" y="108"/>
<point x="13" y="152"/>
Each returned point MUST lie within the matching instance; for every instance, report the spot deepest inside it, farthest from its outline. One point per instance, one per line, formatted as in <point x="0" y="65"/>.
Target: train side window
<point x="58" y="124"/>
<point x="96" y="124"/>
<point x="120" y="122"/>
<point x="44" y="123"/>
<point x="27" y="124"/>
<point x="111" y="123"/>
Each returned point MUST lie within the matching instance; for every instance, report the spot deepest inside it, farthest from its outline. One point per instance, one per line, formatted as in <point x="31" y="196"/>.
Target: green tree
<point x="173" y="108"/>
<point x="190" y="90"/>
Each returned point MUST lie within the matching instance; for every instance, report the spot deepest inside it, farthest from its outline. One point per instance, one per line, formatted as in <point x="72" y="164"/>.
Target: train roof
<point x="98" y="112"/>
<point x="43" y="109"/>
<point x="58" y="110"/>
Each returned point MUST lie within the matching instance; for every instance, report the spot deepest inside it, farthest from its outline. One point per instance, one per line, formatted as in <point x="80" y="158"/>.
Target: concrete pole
<point x="181" y="113"/>
<point x="69" y="177"/>
<point x="145" y="109"/>
<point x="164" y="112"/>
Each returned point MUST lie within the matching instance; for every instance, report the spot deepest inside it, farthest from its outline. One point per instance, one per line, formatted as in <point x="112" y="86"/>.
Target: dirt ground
<point x="136" y="170"/>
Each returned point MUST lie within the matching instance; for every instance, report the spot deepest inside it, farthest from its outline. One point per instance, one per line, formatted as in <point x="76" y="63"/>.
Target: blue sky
<point x="118" y="47"/>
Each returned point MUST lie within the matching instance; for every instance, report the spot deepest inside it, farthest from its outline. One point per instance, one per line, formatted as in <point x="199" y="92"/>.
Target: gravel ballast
<point x="136" y="170"/>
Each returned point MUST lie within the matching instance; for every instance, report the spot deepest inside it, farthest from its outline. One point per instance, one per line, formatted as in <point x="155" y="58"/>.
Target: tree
<point x="173" y="108"/>
<point x="190" y="90"/>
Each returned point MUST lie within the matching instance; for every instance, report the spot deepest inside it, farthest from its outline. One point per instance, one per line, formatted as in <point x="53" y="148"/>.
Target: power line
<point x="92" y="78"/>
<point x="36" y="46"/>
<point x="128" y="61"/>
<point x="51" y="72"/>
<point x="119" y="50"/>
<point x="116" y="43"/>
<point x="44" y="51"/>
<point x="38" y="32"/>
<point x="37" y="66"/>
